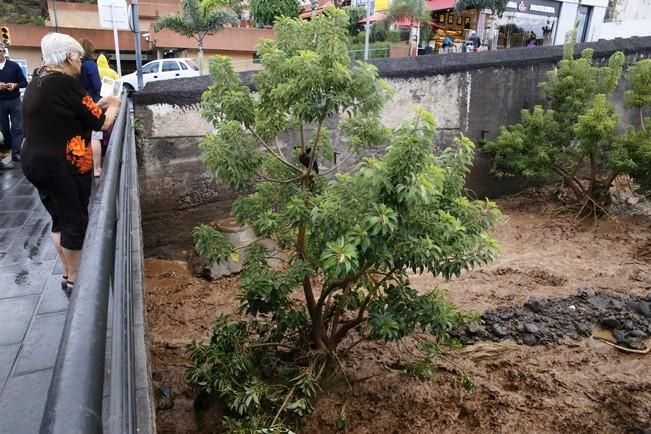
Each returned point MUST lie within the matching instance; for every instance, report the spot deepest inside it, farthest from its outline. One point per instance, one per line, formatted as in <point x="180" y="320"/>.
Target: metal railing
<point x="105" y="284"/>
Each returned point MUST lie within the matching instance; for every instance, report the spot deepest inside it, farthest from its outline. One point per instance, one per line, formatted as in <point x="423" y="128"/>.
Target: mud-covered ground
<point x="571" y="383"/>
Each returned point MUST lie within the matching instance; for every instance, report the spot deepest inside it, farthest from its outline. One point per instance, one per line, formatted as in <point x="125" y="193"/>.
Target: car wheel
<point x="128" y="87"/>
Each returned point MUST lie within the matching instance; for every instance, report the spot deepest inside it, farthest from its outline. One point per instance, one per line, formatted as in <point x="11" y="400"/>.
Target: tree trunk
<point x="201" y="56"/>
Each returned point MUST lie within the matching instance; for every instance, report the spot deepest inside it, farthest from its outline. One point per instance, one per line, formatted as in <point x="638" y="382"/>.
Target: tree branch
<point x="593" y="172"/>
<point x="572" y="181"/>
<point x="329" y="171"/>
<point x="642" y="120"/>
<point x="281" y="159"/>
<point x="348" y="326"/>
<point x="316" y="146"/>
<point x="279" y="181"/>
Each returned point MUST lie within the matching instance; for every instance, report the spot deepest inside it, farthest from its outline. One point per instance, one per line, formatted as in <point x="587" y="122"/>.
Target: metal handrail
<point x="74" y="401"/>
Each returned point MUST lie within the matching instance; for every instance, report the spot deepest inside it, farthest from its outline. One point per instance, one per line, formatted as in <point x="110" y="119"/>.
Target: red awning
<point x="440" y="5"/>
<point x="373" y="18"/>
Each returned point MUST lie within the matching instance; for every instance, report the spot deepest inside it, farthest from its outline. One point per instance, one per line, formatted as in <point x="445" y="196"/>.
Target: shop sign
<point x="534" y="7"/>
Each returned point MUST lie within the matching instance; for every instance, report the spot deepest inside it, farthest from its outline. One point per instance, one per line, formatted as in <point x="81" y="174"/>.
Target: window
<point x="170" y="65"/>
<point x="192" y="64"/>
<point x="150" y="68"/>
<point x="183" y="66"/>
<point x="583" y="20"/>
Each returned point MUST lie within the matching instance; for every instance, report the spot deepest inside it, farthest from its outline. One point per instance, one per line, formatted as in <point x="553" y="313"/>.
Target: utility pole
<point x="368" y="28"/>
<point x="56" y="20"/>
<point x="135" y="27"/>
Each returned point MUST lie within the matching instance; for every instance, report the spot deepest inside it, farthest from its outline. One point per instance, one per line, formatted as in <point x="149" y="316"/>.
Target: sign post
<point x="370" y="6"/>
<point x="113" y="15"/>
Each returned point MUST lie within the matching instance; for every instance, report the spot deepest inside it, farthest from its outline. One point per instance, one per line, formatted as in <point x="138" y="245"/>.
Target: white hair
<point x="56" y="46"/>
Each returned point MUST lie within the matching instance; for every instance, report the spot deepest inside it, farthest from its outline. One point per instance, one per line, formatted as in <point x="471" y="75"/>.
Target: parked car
<point x="162" y="69"/>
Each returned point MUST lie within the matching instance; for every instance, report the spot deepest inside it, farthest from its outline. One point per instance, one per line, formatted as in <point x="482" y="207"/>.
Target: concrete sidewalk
<point x="32" y="305"/>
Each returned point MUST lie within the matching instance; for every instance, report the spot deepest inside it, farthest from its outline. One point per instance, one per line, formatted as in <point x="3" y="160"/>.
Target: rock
<point x="530" y="340"/>
<point x="615" y="304"/>
<point x="531" y="328"/>
<point x="506" y="315"/>
<point x="611" y="322"/>
<point x="474" y="328"/>
<point x="583" y="329"/>
<point x="519" y="327"/>
<point x="165" y="399"/>
<point x="641" y="307"/>
<point x="634" y="343"/>
<point x="637" y="333"/>
<point x="586" y="292"/>
<point x="620" y="336"/>
<point x="499" y="330"/>
<point x="628" y="324"/>
<point x="534" y="305"/>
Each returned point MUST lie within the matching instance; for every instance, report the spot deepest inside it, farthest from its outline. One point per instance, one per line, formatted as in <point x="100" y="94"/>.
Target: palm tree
<point x="197" y="22"/>
<point x="414" y="10"/>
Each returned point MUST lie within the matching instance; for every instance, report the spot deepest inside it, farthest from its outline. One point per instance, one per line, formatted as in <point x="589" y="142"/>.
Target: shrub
<point x="580" y="128"/>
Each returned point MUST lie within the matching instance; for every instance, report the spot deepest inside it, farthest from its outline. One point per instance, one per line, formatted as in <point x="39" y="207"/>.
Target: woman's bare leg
<point x="97" y="157"/>
<point x="72" y="257"/>
<point x="56" y="239"/>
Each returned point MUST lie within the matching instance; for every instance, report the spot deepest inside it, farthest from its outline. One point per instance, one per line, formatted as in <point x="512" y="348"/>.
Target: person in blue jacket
<point x="11" y="118"/>
<point x="92" y="82"/>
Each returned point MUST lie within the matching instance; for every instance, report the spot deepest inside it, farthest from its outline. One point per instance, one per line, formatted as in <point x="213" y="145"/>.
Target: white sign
<point x="113" y="14"/>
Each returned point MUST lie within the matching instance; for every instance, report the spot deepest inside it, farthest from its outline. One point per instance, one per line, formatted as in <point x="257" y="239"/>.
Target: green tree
<point x="197" y="21"/>
<point x="348" y="239"/>
<point x="497" y="6"/>
<point x="265" y="12"/>
<point x="580" y="129"/>
<point x="236" y="6"/>
<point x="415" y="11"/>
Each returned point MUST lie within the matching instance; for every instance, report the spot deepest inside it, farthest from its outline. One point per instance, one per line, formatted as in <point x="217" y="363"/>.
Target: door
<point x="150" y="72"/>
<point x="171" y="69"/>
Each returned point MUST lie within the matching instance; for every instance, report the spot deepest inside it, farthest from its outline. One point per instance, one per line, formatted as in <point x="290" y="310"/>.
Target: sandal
<point x="68" y="289"/>
<point x="64" y="282"/>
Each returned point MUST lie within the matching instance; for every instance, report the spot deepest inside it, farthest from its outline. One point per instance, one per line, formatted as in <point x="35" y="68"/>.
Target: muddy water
<point x="577" y="385"/>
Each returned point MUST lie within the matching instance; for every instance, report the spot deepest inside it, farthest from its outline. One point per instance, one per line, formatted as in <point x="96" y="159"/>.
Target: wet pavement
<point x="32" y="305"/>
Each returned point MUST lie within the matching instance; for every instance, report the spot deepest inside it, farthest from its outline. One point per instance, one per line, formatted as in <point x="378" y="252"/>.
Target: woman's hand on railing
<point x="111" y="105"/>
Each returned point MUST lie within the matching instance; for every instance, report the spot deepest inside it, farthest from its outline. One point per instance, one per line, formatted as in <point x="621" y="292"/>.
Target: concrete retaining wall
<point x="473" y="93"/>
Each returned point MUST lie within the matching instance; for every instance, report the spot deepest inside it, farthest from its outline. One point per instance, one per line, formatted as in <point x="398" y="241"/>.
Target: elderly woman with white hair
<point x="57" y="157"/>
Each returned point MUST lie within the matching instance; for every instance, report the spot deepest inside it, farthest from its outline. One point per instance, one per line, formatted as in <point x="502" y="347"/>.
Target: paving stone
<point x="27" y="250"/>
<point x="13" y="219"/>
<point x="54" y="299"/>
<point x="7" y="236"/>
<point x="24" y="279"/>
<point x="58" y="267"/>
<point x="16" y="314"/>
<point x="23" y="401"/>
<point x="37" y="226"/>
<point x="41" y="344"/>
<point x="8" y="355"/>
<point x="19" y="203"/>
<point x="22" y="189"/>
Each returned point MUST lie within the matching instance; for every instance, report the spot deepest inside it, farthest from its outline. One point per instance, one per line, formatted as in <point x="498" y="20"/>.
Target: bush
<point x="580" y="128"/>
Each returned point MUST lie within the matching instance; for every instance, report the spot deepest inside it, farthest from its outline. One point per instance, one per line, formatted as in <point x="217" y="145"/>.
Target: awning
<point x="440" y="5"/>
<point x="373" y="18"/>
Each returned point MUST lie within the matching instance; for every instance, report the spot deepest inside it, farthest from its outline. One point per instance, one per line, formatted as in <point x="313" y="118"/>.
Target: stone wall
<point x="470" y="93"/>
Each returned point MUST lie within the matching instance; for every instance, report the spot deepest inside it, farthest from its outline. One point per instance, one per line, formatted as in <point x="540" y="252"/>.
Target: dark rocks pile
<point x="547" y="321"/>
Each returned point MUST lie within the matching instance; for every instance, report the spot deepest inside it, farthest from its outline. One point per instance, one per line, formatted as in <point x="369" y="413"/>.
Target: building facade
<point x="81" y="20"/>
<point x="626" y="18"/>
